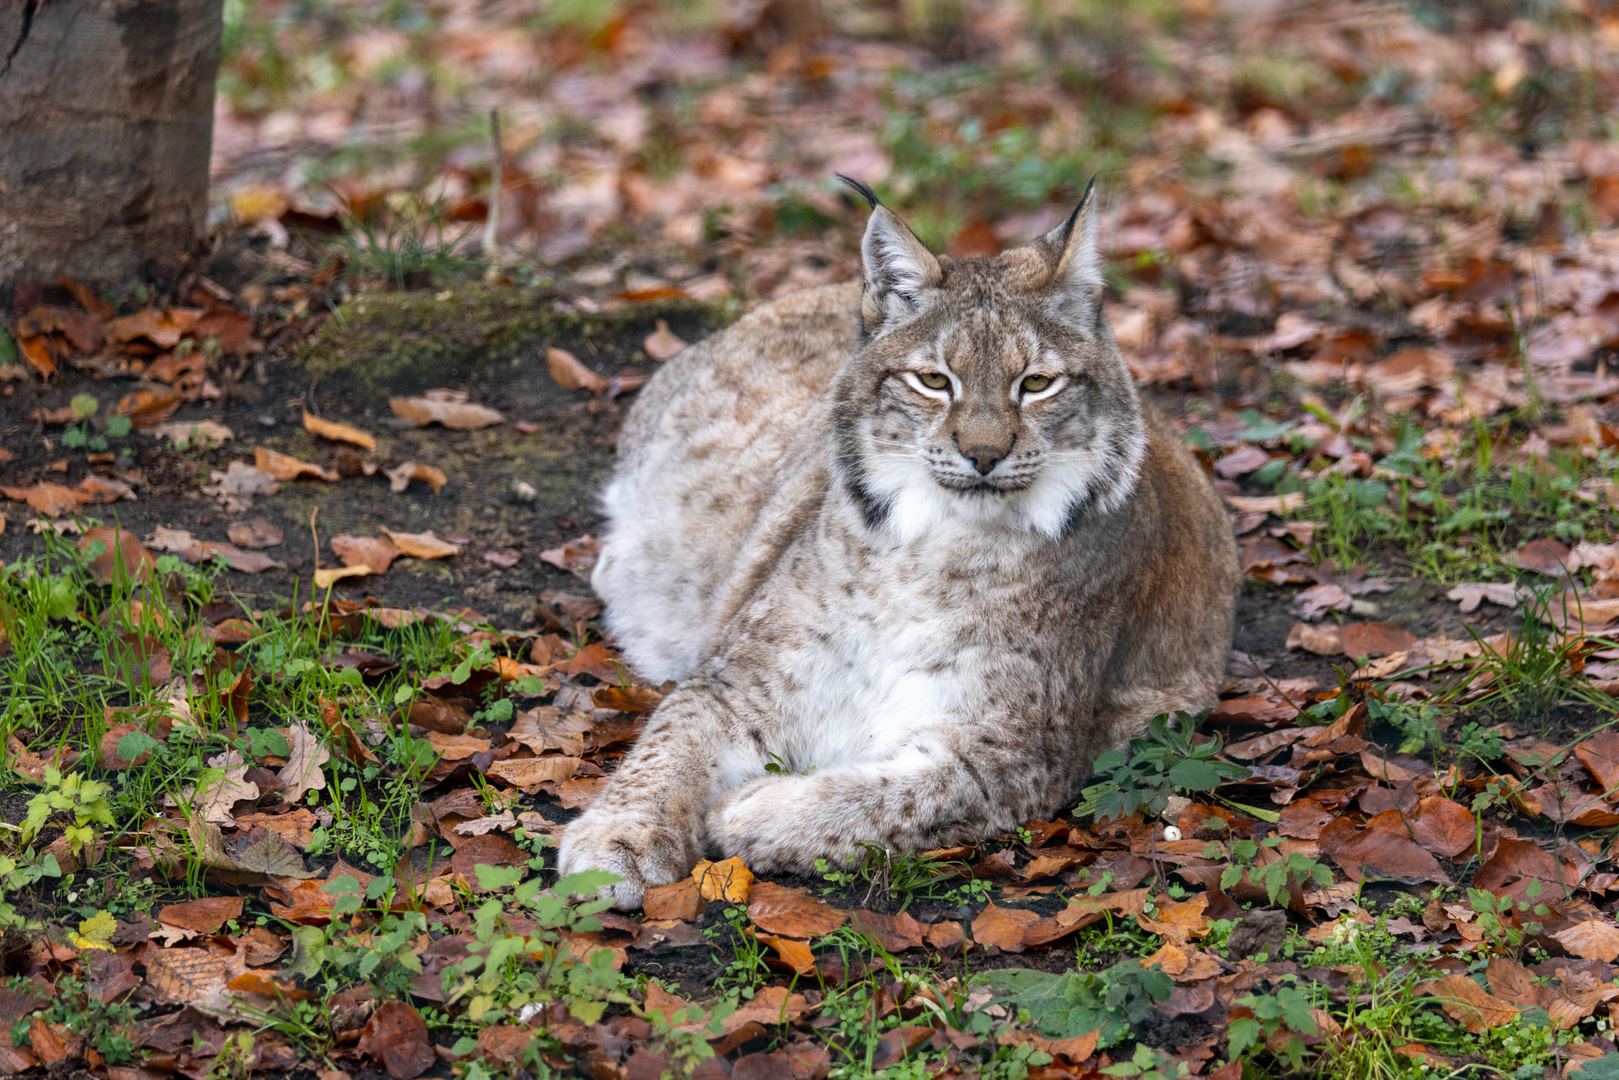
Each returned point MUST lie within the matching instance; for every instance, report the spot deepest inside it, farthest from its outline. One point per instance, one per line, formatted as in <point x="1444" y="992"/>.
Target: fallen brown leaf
<point x="396" y="1036"/>
<point x="122" y="555"/>
<point x="256" y="533"/>
<point x="52" y="500"/>
<point x="1002" y="927"/>
<point x="302" y="771"/>
<point x="570" y="374"/>
<point x="286" y="467"/>
<point x="204" y="916"/>
<point x="247" y="562"/>
<point x="530" y="773"/>
<point x="423" y="545"/>
<point x="791" y="912"/>
<point x="727" y="880"/>
<point x="325" y="579"/>
<point x="400" y="477"/>
<point x="447" y="407"/>
<point x="1468" y="1003"/>
<point x="1591" y="939"/>
<point x="328" y="429"/>
<point x="578" y="557"/>
<point x="661" y="344"/>
<point x="677" y="901"/>
<point x="375" y="552"/>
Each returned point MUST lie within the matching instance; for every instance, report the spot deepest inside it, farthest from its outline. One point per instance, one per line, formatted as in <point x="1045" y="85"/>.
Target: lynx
<point x="916" y="553"/>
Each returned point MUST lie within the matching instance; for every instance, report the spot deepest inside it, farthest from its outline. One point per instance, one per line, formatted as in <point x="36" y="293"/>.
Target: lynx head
<point x="986" y="389"/>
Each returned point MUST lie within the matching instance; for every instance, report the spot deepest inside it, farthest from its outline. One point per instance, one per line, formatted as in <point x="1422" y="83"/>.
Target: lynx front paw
<point x="641" y="852"/>
<point x="766" y="824"/>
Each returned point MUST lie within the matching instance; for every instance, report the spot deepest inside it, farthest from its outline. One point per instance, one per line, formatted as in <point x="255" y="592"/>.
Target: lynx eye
<point x="1033" y="384"/>
<point x="934" y="380"/>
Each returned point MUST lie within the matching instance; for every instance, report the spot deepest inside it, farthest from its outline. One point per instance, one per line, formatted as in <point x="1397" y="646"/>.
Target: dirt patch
<point x="508" y="490"/>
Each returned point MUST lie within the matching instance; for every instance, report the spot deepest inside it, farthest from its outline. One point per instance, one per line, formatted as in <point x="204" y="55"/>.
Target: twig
<point x="491" y="223"/>
<point x="313" y="536"/>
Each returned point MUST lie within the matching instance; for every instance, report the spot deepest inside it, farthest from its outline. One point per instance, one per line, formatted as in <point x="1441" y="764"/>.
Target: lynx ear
<point x="1076" y="262"/>
<point x="900" y="270"/>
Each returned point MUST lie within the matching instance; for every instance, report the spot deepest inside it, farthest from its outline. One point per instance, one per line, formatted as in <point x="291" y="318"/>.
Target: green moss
<point x="405" y="342"/>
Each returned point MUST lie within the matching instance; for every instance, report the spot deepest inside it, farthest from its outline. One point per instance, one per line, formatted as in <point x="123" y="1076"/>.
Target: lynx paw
<point x="642" y="852"/>
<point x="764" y="822"/>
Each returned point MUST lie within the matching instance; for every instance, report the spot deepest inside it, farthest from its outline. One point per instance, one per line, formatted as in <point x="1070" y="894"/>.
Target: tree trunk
<point x="106" y="124"/>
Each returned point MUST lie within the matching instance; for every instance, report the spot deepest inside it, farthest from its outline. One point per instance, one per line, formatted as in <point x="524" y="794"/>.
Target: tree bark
<point x="106" y="124"/>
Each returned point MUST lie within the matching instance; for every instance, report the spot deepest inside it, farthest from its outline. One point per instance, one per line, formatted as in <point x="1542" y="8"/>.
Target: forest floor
<point x="302" y="672"/>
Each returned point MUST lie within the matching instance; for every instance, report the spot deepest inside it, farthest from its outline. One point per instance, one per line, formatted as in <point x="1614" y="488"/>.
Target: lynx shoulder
<point x="917" y="538"/>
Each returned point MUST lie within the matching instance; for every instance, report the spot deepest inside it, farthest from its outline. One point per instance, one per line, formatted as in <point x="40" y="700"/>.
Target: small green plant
<point x="1149" y="1064"/>
<point x="507" y="971"/>
<point x="1275" y="875"/>
<point x="16" y="875"/>
<point x="85" y="801"/>
<point x="1286" y="1010"/>
<point x="685" y="1033"/>
<point x="1504" y="926"/>
<point x="747" y="970"/>
<point x="107" y="1027"/>
<point x="1167" y="760"/>
<point x="1078" y="1002"/>
<point x="81" y="436"/>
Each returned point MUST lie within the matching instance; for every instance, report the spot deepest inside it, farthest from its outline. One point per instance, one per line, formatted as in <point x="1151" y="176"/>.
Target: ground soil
<point x="490" y="343"/>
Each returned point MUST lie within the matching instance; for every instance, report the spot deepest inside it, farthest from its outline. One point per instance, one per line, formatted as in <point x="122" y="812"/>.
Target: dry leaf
<point x="215" y="801"/>
<point x="1003" y="927"/>
<point x="52" y="500"/>
<point x="397" y="1037"/>
<point x="238" y="484"/>
<point x="257" y="533"/>
<point x="680" y="900"/>
<point x="570" y="374"/>
<point x="182" y="433"/>
<point x="795" y="953"/>
<point x="122" y="555"/>
<point x="792" y="913"/>
<point x="325" y="579"/>
<point x="296" y="828"/>
<point x="661" y="344"/>
<point x="248" y="562"/>
<point x="1592" y="939"/>
<point x="578" y="557"/>
<point x="423" y="545"/>
<point x="327" y="429"/>
<point x="530" y="773"/>
<point x="400" y="478"/>
<point x="302" y="771"/>
<point x="286" y="467"/>
<point x="188" y="976"/>
<point x="203" y="916"/>
<point x="375" y="552"/>
<point x="1468" y="1003"/>
<point x="447" y="407"/>
<point x="727" y="880"/>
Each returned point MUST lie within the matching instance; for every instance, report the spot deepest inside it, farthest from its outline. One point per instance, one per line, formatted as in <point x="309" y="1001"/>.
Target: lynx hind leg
<point x="1125" y="715"/>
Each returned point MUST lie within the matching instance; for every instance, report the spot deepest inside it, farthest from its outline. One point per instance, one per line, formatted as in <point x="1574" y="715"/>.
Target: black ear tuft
<point x="860" y="189"/>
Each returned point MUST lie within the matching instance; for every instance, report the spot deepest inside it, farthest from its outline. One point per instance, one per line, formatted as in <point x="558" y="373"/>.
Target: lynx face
<point x="986" y="390"/>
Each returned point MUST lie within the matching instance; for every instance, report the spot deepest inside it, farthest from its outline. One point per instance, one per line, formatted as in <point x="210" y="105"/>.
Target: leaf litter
<point x="1413" y="771"/>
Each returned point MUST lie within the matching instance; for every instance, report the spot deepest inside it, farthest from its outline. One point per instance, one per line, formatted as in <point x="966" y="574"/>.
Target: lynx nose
<point x="984" y="458"/>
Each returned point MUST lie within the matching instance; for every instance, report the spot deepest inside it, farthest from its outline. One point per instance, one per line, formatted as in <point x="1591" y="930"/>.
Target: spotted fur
<point x="933" y="607"/>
